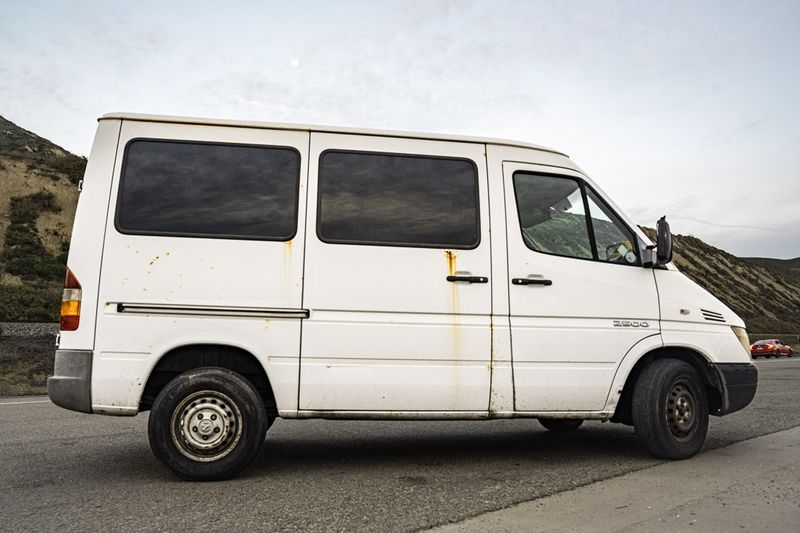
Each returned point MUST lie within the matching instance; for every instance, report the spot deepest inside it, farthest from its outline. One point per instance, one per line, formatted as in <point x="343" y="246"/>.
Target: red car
<point x="770" y="348"/>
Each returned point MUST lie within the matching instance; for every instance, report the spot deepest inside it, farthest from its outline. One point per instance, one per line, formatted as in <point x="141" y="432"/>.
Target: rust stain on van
<point x="455" y="328"/>
<point x="154" y="260"/>
<point x="450" y="257"/>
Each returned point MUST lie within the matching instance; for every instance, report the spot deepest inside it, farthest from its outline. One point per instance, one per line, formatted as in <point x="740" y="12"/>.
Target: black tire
<point x="561" y="424"/>
<point x="227" y="418"/>
<point x="670" y="409"/>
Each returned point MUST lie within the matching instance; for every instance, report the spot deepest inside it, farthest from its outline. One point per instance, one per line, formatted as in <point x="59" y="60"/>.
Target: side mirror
<point x="663" y="242"/>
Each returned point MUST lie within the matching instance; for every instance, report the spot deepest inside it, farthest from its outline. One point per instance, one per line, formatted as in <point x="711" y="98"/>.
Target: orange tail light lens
<point x="71" y="303"/>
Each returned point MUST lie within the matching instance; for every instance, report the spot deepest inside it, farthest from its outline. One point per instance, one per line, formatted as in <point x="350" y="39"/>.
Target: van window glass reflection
<point x="398" y="200"/>
<point x="202" y="189"/>
<point x="552" y="216"/>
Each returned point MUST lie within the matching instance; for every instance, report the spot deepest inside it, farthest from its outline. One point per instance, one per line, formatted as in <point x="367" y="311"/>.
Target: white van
<point x="222" y="274"/>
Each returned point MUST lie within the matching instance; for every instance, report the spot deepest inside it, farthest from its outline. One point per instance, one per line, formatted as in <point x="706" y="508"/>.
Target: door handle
<point x="529" y="281"/>
<point x="469" y="279"/>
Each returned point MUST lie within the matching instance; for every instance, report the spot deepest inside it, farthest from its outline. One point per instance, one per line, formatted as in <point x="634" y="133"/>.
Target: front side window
<point x="552" y="215"/>
<point x="397" y="200"/>
<point x="208" y="190"/>
<point x="561" y="216"/>
<point x="613" y="240"/>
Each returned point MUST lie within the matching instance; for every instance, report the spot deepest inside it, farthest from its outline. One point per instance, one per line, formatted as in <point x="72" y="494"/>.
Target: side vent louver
<point x="713" y="316"/>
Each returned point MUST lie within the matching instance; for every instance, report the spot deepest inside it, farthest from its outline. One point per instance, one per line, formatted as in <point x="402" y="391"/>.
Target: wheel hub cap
<point x="206" y="426"/>
<point x="680" y="410"/>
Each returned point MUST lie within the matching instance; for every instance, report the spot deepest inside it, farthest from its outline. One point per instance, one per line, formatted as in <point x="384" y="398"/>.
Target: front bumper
<point x="71" y="386"/>
<point x="737" y="383"/>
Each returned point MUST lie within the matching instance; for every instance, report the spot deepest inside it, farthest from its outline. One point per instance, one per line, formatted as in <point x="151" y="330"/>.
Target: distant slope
<point x="20" y="143"/>
<point x="788" y="267"/>
<point x="38" y="196"/>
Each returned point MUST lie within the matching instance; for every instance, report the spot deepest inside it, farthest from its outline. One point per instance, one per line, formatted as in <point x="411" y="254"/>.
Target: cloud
<point x="669" y="120"/>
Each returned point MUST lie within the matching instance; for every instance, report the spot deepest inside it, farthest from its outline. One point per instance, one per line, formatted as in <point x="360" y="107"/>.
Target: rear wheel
<point x="207" y="424"/>
<point x="670" y="409"/>
<point x="561" y="424"/>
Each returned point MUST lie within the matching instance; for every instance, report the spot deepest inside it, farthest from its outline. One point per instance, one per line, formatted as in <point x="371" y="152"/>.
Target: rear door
<point x="397" y="276"/>
<point x="199" y="248"/>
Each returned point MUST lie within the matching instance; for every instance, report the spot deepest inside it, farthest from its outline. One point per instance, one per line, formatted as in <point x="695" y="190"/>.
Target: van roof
<point x="326" y="129"/>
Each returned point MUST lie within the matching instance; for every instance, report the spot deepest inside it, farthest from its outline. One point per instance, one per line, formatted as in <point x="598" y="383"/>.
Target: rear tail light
<point x="71" y="303"/>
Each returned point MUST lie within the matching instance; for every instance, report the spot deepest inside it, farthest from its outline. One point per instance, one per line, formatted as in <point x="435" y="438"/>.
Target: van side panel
<point x="159" y="292"/>
<point x="86" y="245"/>
<point x="388" y="331"/>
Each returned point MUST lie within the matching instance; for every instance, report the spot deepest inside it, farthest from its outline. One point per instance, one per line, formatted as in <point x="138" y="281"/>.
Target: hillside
<point x="788" y="267"/>
<point x="38" y="194"/>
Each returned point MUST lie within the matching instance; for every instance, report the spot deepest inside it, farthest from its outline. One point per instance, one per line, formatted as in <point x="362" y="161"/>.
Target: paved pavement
<point x="68" y="471"/>
<point x="752" y="485"/>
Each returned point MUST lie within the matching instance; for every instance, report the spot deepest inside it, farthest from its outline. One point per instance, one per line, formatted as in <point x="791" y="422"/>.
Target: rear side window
<point x="398" y="200"/>
<point x="208" y="190"/>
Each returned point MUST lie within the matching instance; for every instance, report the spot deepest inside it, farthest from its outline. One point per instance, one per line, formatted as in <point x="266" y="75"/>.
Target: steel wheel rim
<point x="206" y="426"/>
<point x="681" y="410"/>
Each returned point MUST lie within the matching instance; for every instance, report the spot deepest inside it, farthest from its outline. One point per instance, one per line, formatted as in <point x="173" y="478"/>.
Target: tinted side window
<point x="398" y="200"/>
<point x="553" y="219"/>
<point x="208" y="190"/>
<point x="551" y="215"/>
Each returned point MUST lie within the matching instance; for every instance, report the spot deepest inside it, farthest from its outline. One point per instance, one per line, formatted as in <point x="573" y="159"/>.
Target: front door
<point x="397" y="276"/>
<point x="579" y="297"/>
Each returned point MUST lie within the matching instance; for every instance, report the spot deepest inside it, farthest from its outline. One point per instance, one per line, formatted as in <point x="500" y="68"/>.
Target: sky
<point x="684" y="109"/>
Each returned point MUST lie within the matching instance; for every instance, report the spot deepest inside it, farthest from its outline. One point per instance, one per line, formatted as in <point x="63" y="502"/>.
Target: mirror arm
<point x="647" y="257"/>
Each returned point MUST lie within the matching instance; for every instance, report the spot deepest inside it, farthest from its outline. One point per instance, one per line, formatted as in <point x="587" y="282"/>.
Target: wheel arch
<point x="699" y="361"/>
<point x="185" y="357"/>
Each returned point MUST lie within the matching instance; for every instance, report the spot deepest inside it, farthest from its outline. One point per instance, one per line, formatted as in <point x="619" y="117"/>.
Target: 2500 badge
<point x="631" y="324"/>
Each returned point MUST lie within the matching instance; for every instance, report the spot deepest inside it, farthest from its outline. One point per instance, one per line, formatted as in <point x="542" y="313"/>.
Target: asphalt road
<point x="68" y="471"/>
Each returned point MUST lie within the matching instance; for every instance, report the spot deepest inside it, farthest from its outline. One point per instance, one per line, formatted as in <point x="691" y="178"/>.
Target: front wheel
<point x="207" y="424"/>
<point x="561" y="424"/>
<point x="670" y="409"/>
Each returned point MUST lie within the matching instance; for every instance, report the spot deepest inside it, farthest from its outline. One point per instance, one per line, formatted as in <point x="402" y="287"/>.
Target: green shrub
<point x="21" y="235"/>
<point x="71" y="165"/>
<point x="29" y="304"/>
<point x="26" y="209"/>
<point x="24" y="254"/>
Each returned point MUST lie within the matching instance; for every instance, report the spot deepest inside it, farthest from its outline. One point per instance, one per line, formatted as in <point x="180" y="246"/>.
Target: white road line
<point x="21" y="403"/>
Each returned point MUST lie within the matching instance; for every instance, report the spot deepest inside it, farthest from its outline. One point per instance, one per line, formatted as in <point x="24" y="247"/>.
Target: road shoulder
<point x="751" y="484"/>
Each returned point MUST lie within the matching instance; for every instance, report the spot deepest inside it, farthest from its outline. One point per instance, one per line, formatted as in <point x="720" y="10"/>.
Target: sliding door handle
<point x="529" y="281"/>
<point x="468" y="279"/>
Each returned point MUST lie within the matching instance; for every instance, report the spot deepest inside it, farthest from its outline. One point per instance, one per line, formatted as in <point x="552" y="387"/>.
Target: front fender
<point x="634" y="354"/>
